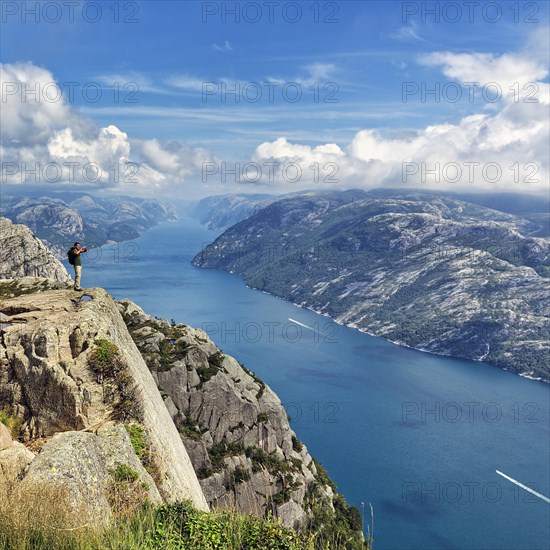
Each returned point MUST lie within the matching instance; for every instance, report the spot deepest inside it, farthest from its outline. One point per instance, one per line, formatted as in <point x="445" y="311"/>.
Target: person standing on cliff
<point x="74" y="259"/>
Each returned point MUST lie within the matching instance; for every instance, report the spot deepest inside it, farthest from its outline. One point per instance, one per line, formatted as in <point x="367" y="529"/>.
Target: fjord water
<point x="418" y="436"/>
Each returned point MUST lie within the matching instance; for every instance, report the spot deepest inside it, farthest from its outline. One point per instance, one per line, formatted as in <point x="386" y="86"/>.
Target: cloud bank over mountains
<point x="46" y="141"/>
<point x="502" y="147"/>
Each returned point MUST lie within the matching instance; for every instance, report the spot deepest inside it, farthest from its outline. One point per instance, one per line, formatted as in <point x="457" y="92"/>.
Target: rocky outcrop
<point x="234" y="426"/>
<point x="48" y="381"/>
<point x="109" y="397"/>
<point x="22" y="254"/>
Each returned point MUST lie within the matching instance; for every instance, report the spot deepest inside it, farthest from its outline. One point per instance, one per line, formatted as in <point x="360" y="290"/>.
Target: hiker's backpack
<point x="71" y="256"/>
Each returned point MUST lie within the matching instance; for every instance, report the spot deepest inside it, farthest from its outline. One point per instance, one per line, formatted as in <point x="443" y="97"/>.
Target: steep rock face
<point x="23" y="254"/>
<point x="233" y="425"/>
<point x="46" y="379"/>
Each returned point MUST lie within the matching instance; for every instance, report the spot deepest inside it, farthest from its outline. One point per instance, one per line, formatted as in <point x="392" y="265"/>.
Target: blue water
<point x="417" y="436"/>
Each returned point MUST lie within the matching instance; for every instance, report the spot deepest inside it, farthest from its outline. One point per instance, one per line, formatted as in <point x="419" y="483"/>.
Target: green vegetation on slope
<point x="112" y="373"/>
<point x="27" y="524"/>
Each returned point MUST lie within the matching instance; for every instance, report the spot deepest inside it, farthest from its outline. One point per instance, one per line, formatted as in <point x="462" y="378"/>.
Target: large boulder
<point x="86" y="467"/>
<point x="14" y="457"/>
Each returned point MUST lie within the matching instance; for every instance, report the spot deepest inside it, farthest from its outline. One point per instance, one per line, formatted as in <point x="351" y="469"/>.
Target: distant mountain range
<point x="220" y="212"/>
<point x="427" y="270"/>
<point x="80" y="217"/>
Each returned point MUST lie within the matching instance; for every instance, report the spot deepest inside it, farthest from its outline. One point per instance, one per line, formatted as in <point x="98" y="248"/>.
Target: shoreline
<point x="396" y="342"/>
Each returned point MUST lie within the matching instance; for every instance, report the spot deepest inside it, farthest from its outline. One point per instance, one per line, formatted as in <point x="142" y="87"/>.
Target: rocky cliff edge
<point x="71" y="373"/>
<point x="23" y="254"/>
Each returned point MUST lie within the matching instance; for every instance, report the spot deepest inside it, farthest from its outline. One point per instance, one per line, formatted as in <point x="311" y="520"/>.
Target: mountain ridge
<point x="438" y="275"/>
<point x="81" y="217"/>
<point x="219" y="212"/>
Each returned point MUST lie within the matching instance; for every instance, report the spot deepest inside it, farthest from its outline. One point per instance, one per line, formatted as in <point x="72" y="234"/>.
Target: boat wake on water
<point x="528" y="489"/>
<point x="302" y="324"/>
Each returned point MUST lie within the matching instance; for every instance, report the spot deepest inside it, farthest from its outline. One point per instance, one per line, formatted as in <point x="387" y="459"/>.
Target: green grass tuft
<point x="137" y="438"/>
<point x="123" y="472"/>
<point x="11" y="422"/>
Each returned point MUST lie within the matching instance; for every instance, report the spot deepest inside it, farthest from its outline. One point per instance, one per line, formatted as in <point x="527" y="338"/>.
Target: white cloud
<point x="282" y="149"/>
<point x="32" y="105"/>
<point x="407" y="32"/>
<point x="109" y="143"/>
<point x="158" y="158"/>
<point x="175" y="158"/>
<point x="57" y="145"/>
<point x="515" y="75"/>
<point x="467" y="155"/>
<point x="185" y="82"/>
<point x="225" y="47"/>
<point x="126" y="85"/>
<point x="312" y="73"/>
<point x="504" y="150"/>
<point x="518" y="75"/>
<point x="320" y="71"/>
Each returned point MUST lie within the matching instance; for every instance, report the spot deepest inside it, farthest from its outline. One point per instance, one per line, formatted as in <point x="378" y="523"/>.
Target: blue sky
<point x="350" y="68"/>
